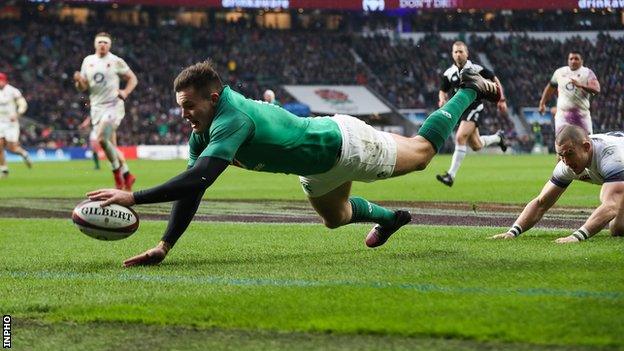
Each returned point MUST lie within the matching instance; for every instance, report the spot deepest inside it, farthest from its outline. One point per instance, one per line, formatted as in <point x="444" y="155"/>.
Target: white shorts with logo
<point x="108" y="113"/>
<point x="576" y="118"/>
<point x="367" y="155"/>
<point x="10" y="131"/>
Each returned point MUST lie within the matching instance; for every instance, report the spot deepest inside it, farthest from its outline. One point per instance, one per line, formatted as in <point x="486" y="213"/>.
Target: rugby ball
<point x="113" y="222"/>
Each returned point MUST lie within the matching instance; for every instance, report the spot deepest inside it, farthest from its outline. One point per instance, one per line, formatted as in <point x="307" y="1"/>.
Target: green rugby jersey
<point x="264" y="137"/>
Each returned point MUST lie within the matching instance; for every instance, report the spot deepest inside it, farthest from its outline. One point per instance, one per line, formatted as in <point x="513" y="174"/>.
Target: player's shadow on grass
<point x="425" y="254"/>
<point x="321" y="257"/>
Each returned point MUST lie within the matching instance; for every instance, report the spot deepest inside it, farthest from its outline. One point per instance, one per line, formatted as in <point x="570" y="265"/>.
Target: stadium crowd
<point x="43" y="55"/>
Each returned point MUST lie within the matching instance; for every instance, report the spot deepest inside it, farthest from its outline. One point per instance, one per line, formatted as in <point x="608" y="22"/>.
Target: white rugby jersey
<point x="571" y="97"/>
<point x="607" y="164"/>
<point x="8" y="102"/>
<point x="103" y="76"/>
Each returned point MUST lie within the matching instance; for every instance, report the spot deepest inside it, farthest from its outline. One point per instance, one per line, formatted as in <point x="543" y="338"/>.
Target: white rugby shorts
<point x="366" y="156"/>
<point x="109" y="113"/>
<point x="10" y="131"/>
<point x="579" y="119"/>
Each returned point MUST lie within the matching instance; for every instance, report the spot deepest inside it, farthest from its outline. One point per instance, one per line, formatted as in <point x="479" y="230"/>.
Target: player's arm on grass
<point x="187" y="188"/>
<point x="533" y="211"/>
<point x="611" y="196"/>
<point x="182" y="213"/>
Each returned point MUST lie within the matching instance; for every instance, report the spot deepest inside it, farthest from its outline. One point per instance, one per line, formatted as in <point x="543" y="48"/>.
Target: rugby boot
<point x="119" y="181"/>
<point x="445" y="179"/>
<point x="485" y="88"/>
<point x="27" y="161"/>
<point x="380" y="234"/>
<point x="129" y="180"/>
<point x="502" y="143"/>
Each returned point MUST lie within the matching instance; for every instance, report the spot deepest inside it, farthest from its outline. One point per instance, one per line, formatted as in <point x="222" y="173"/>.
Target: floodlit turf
<point x="302" y="287"/>
<point x="427" y="283"/>
<point x="482" y="178"/>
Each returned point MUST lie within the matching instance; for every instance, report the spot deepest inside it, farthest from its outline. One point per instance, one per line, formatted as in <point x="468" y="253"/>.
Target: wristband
<point x="581" y="234"/>
<point x="515" y="230"/>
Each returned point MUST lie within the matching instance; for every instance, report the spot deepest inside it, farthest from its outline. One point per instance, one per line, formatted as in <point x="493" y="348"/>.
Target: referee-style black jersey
<point x="450" y="77"/>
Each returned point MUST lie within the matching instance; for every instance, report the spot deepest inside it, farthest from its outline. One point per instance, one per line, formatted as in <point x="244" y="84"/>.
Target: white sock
<point x="488" y="140"/>
<point x="458" y="157"/>
<point x="124" y="168"/>
<point x="4" y="168"/>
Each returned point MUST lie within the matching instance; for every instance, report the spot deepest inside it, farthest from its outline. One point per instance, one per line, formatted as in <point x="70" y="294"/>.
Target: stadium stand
<point x="43" y="55"/>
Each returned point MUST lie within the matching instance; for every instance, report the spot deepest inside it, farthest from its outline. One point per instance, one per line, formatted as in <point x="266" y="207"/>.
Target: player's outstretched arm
<point x="533" y="211"/>
<point x="188" y="183"/>
<point x="611" y="196"/>
<point x="182" y="213"/>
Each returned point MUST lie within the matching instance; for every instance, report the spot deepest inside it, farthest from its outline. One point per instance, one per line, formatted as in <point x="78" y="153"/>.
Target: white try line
<point x="297" y="283"/>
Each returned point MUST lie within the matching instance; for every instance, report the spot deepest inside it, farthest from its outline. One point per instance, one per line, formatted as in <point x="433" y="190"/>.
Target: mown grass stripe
<point x="287" y="283"/>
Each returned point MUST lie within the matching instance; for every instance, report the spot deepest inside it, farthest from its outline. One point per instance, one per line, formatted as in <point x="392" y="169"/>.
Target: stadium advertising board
<point x="162" y="152"/>
<point x="332" y="99"/>
<point x="532" y="115"/>
<point x="375" y="5"/>
<point x="415" y="115"/>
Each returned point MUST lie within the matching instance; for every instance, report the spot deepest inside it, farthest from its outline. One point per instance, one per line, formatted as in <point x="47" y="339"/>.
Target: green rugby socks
<point x="96" y="159"/>
<point x="365" y="211"/>
<point x="439" y="125"/>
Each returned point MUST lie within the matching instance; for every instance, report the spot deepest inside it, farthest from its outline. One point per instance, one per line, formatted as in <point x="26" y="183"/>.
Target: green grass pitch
<point x="302" y="287"/>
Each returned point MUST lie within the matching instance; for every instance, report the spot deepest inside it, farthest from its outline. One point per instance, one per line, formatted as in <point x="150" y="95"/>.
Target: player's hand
<point x="150" y="257"/>
<point x="13" y="118"/>
<point x="78" y="77"/>
<point x="567" y="239"/>
<point x="112" y="196"/>
<point x="542" y="108"/>
<point x="503" y="236"/>
<point x="122" y="94"/>
<point x="576" y="83"/>
<point x="502" y="106"/>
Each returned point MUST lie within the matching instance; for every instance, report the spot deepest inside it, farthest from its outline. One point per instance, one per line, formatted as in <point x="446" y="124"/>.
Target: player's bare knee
<point x="422" y="164"/>
<point x="461" y="139"/>
<point x="335" y="220"/>
<point x="333" y="223"/>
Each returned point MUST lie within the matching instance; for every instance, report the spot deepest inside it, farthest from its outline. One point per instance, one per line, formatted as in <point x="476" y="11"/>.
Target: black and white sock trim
<point x="515" y="230"/>
<point x="581" y="234"/>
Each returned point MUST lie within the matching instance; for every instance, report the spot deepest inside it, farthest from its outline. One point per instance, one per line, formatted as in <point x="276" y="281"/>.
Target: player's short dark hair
<point x="201" y="76"/>
<point x="574" y="52"/>
<point x="104" y="34"/>
<point x="459" y="42"/>
<point x="571" y="133"/>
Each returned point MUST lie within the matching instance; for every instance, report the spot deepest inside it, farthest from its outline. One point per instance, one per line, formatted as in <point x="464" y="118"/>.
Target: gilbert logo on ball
<point x="113" y="222"/>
